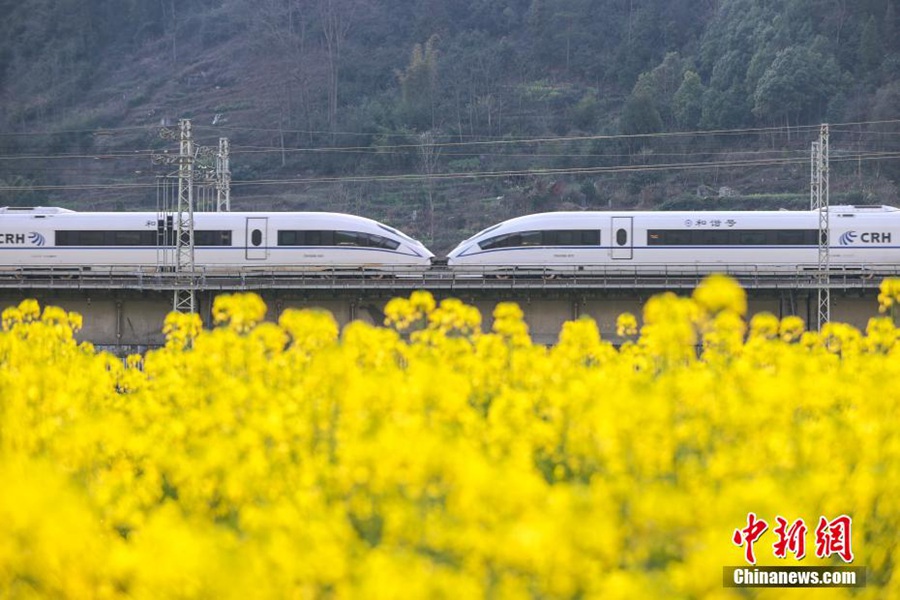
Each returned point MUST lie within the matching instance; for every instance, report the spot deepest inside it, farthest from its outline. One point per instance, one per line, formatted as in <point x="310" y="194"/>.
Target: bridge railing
<point x="442" y="277"/>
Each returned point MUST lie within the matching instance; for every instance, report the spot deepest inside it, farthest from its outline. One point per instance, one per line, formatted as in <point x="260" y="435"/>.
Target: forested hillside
<point x="441" y="116"/>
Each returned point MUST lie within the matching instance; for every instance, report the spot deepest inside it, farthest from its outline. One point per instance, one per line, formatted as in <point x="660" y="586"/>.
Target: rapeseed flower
<point x="429" y="458"/>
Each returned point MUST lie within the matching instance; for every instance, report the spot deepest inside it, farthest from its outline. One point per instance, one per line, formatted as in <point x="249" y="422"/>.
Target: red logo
<point x="748" y="536"/>
<point x="832" y="537"/>
<point x="790" y="539"/>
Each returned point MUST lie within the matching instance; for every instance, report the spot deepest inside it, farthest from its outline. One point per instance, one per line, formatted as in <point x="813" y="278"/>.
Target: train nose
<point x="425" y="251"/>
<point x="453" y="255"/>
<point x="456" y="252"/>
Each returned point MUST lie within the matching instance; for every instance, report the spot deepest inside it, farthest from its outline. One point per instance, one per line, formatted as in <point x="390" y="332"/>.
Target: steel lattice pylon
<point x="819" y="201"/>
<point x="223" y="178"/>
<point x="185" y="300"/>
<point x="175" y="210"/>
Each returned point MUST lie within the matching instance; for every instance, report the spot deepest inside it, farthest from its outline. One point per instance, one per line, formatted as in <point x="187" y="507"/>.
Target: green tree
<point x="734" y="36"/>
<point x="795" y="87"/>
<point x="586" y="112"/>
<point x="640" y="116"/>
<point x="539" y="24"/>
<point x="725" y="102"/>
<point x="418" y="85"/>
<point x="643" y="41"/>
<point x="660" y="84"/>
<point x="870" y="50"/>
<point x="336" y="18"/>
<point x="688" y="101"/>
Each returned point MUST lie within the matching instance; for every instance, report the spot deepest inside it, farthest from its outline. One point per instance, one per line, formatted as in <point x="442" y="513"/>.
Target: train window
<point x="734" y="237"/>
<point x="345" y="238"/>
<point x="147" y="238"/>
<point x="752" y="237"/>
<point x="712" y="238"/>
<point x="550" y="237"/>
<point x="621" y="237"/>
<point x="130" y="238"/>
<point x="789" y="238"/>
<point x="379" y="241"/>
<point x="531" y="238"/>
<point x="368" y="240"/>
<point x="315" y="238"/>
<point x="682" y="237"/>
<point x="572" y="237"/>
<point x="668" y="237"/>
<point x="256" y="237"/>
<point x="212" y="238"/>
<point x="590" y="237"/>
<point x="91" y="238"/>
<point x="335" y="238"/>
<point x="127" y="238"/>
<point x="105" y="238"/>
<point x="797" y="237"/>
<point x="305" y="238"/>
<point x="507" y="240"/>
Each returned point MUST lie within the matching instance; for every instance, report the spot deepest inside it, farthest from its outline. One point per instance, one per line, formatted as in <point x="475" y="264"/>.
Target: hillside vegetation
<point x="443" y="116"/>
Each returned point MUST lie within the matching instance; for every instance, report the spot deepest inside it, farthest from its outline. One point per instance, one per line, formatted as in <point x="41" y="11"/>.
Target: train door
<point x="621" y="238"/>
<point x="256" y="238"/>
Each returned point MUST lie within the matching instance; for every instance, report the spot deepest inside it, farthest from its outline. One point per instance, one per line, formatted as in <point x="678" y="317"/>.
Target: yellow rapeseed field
<point x="428" y="459"/>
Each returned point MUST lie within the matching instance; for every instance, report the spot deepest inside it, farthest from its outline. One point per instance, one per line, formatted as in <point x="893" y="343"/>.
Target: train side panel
<point x="54" y="238"/>
<point x="736" y="241"/>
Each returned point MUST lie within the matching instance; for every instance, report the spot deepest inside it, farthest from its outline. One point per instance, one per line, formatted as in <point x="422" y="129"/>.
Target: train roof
<point x="33" y="210"/>
<point x="564" y="215"/>
<point x="867" y="208"/>
<point x="54" y="210"/>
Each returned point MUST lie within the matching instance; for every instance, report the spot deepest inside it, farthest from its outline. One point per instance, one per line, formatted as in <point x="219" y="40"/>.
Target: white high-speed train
<point x="863" y="237"/>
<point x="46" y="237"/>
<point x="734" y="241"/>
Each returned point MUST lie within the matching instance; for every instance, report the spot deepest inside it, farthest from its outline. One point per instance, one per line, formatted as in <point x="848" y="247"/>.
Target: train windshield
<point x="550" y="237"/>
<point x="398" y="233"/>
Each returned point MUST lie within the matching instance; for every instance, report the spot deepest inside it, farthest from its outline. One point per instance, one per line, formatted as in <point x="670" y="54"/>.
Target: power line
<point x="140" y="154"/>
<point x="564" y="171"/>
<point x="500" y="140"/>
<point x="505" y="140"/>
<point x="713" y="160"/>
<point x="444" y="146"/>
<point x="599" y="170"/>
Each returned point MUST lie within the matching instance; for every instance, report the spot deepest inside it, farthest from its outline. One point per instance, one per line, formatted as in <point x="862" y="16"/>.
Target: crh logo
<point x="848" y="238"/>
<point x="866" y="237"/>
<point x="18" y="239"/>
<point x="12" y="239"/>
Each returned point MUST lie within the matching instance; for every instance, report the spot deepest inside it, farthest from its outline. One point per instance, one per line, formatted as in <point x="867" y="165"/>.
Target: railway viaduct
<point x="124" y="313"/>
